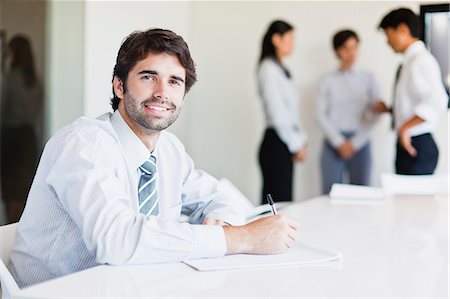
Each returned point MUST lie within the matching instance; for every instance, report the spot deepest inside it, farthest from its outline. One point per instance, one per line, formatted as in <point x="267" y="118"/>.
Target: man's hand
<point x="405" y="141"/>
<point x="380" y="107"/>
<point x="300" y="155"/>
<point x="267" y="235"/>
<point x="404" y="138"/>
<point x="346" y="150"/>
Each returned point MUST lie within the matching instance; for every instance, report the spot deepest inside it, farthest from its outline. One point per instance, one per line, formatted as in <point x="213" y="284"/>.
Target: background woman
<point x="284" y="139"/>
<point x="21" y="125"/>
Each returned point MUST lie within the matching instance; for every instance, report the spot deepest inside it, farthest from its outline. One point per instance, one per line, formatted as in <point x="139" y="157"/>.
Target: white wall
<point x="222" y="123"/>
<point x="65" y="63"/>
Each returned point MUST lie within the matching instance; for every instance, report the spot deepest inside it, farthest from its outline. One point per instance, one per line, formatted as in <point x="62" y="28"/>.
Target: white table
<point x="399" y="249"/>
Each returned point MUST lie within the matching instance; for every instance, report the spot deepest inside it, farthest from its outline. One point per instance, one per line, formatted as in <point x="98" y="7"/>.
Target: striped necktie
<point x="148" y="201"/>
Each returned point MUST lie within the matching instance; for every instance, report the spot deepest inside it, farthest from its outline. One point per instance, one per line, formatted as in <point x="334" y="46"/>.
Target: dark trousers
<point x="426" y="160"/>
<point x="19" y="155"/>
<point x="276" y="167"/>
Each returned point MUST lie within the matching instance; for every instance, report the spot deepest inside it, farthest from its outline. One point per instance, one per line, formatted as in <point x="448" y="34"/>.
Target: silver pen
<point x="271" y="203"/>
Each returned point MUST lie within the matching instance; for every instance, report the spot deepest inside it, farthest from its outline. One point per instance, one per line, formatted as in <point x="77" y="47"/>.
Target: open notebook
<point x="303" y="253"/>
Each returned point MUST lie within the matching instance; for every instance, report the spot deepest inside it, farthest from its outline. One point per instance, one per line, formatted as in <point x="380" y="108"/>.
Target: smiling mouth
<point x="157" y="108"/>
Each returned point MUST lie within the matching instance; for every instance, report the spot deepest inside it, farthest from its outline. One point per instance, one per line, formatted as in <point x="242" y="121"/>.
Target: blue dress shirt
<point x="344" y="105"/>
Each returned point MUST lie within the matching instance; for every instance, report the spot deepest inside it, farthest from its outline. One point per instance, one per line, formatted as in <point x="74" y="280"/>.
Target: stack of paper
<point x="415" y="184"/>
<point x="354" y="194"/>
<point x="303" y="253"/>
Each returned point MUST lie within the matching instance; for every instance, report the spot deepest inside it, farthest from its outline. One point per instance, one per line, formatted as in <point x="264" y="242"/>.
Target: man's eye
<point x="175" y="82"/>
<point x="151" y="78"/>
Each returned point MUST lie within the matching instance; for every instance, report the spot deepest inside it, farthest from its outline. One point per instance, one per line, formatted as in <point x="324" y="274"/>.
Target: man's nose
<point x="161" y="91"/>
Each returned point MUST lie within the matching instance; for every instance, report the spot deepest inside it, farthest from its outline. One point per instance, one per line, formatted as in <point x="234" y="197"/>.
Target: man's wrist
<point x="403" y="130"/>
<point x="236" y="239"/>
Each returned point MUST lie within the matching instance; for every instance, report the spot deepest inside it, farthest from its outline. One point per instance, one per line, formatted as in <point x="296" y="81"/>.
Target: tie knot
<point x="149" y="166"/>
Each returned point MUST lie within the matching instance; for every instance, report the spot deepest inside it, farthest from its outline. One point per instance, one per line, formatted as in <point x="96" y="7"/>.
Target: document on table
<point x="303" y="253"/>
<point x="353" y="194"/>
<point x="427" y="184"/>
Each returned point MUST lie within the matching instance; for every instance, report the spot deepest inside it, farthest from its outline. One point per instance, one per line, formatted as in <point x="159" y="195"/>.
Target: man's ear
<point x="403" y="28"/>
<point x="118" y="87"/>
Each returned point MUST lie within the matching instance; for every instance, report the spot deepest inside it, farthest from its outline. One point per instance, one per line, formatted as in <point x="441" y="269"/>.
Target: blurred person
<point x="284" y="141"/>
<point x="21" y="124"/>
<point x="344" y="113"/>
<point x="419" y="98"/>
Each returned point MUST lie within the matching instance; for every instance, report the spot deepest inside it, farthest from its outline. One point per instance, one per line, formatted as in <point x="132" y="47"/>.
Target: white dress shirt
<point x="419" y="91"/>
<point x="280" y="100"/>
<point x="344" y="105"/>
<point x="82" y="209"/>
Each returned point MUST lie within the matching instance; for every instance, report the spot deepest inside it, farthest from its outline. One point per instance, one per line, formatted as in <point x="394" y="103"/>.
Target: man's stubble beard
<point x="136" y="111"/>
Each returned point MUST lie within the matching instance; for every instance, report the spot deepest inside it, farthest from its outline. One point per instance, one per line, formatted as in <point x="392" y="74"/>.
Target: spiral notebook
<point x="302" y="253"/>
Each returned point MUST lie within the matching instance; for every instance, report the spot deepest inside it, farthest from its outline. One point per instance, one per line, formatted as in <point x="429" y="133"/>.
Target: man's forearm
<point x="414" y="121"/>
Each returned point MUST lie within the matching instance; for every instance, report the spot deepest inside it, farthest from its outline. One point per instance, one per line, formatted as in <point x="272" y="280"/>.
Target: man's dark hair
<point x="405" y="16"/>
<point x="342" y="36"/>
<point x="139" y="44"/>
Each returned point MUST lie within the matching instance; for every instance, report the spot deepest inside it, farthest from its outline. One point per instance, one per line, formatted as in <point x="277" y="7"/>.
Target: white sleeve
<point x="201" y="198"/>
<point x="369" y="119"/>
<point x="272" y="96"/>
<point x="432" y="100"/>
<point x="322" y="107"/>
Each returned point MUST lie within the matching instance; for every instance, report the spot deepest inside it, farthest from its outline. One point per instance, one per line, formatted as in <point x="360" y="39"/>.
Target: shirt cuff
<point x="209" y="241"/>
<point x="294" y="146"/>
<point x="233" y="217"/>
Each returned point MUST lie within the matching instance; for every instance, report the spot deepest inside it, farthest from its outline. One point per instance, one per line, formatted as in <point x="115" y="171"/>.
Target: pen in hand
<point x="271" y="203"/>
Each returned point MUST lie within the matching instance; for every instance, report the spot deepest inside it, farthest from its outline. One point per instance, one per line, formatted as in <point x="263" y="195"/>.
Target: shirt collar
<point x="134" y="149"/>
<point x="413" y="49"/>
<point x="352" y="70"/>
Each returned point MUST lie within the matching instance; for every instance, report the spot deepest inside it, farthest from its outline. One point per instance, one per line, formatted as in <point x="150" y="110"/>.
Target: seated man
<point x="110" y="190"/>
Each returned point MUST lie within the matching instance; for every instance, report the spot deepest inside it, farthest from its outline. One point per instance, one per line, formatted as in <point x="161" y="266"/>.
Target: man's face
<point x="395" y="38"/>
<point x="348" y="52"/>
<point x="155" y="90"/>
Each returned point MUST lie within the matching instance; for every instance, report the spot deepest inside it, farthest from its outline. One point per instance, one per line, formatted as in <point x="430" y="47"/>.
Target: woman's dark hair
<point x="405" y="16"/>
<point x="276" y="27"/>
<point x="139" y="44"/>
<point x="342" y="36"/>
<point x="268" y="49"/>
<point x="22" y="58"/>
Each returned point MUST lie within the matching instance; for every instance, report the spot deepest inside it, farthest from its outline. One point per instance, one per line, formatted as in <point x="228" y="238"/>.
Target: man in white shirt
<point x="419" y="98"/>
<point x="111" y="190"/>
